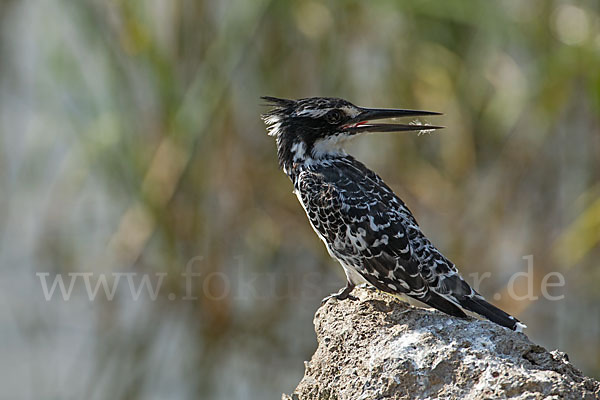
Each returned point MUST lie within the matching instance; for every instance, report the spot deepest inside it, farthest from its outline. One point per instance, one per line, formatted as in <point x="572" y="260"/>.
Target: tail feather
<point x="436" y="301"/>
<point x="491" y="312"/>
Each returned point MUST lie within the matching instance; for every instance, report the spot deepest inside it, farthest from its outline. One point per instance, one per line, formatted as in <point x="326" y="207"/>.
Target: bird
<point x="362" y="222"/>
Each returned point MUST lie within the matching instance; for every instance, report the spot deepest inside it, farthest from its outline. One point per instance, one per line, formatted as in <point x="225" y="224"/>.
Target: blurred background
<point x="132" y="151"/>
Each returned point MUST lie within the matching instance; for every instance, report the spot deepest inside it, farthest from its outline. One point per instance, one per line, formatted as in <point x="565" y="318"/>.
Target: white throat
<point x="330" y="146"/>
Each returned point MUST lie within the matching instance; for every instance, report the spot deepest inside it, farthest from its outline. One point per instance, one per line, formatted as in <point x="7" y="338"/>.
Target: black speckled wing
<point x="363" y="225"/>
<point x="439" y="273"/>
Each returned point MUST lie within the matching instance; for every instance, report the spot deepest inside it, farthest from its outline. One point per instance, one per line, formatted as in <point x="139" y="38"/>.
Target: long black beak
<point x="361" y="122"/>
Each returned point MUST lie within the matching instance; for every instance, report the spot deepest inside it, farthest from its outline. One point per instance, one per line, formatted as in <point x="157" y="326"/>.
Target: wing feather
<point x="361" y="229"/>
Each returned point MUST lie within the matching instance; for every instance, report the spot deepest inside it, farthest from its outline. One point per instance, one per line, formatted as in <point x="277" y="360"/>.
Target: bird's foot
<point x="367" y="286"/>
<point x="339" y="296"/>
<point x="343" y="294"/>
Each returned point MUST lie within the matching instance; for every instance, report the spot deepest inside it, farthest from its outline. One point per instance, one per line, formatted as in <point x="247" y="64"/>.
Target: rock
<point x="378" y="347"/>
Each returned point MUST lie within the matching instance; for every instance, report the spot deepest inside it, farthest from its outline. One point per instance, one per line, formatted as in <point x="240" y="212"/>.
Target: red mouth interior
<point x="356" y="124"/>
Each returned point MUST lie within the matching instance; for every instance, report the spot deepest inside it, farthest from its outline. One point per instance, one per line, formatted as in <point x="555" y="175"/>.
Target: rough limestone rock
<point x="378" y="347"/>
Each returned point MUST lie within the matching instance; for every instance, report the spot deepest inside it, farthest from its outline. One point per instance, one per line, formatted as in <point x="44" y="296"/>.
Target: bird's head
<point x="315" y="128"/>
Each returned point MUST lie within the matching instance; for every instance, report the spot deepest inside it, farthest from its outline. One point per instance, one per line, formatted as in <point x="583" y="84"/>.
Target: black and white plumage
<point x="363" y="224"/>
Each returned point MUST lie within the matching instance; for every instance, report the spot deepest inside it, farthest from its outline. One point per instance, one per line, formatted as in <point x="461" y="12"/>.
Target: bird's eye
<point x="334" y="116"/>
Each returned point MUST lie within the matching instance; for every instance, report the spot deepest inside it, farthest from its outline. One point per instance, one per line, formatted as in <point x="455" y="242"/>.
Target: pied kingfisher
<point x="363" y="224"/>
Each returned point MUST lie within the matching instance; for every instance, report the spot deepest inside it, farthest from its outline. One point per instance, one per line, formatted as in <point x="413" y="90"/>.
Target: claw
<point x="343" y="294"/>
<point x="367" y="286"/>
<point x="339" y="296"/>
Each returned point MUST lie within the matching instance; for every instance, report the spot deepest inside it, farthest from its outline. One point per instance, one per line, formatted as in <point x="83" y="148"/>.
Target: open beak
<point x="361" y="123"/>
